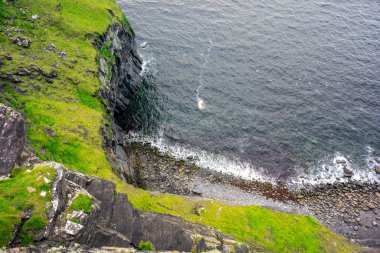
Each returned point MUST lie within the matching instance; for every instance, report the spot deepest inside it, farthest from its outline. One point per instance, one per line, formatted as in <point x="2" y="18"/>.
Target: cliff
<point x="69" y="68"/>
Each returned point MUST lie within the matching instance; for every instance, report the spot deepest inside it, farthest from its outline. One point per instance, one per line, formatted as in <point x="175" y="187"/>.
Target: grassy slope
<point x="15" y="199"/>
<point x="73" y="108"/>
<point x="256" y="226"/>
<point x="74" y="115"/>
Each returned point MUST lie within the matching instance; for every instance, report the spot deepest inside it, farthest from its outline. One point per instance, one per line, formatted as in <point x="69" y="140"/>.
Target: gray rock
<point x="114" y="222"/>
<point x="341" y="161"/>
<point x="73" y="228"/>
<point x="12" y="138"/>
<point x="347" y="172"/>
<point x="126" y="69"/>
<point x="377" y="169"/>
<point x="21" y="42"/>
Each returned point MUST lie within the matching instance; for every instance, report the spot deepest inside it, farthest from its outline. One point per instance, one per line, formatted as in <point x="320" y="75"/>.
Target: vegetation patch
<point x="59" y="95"/>
<point x="145" y="246"/>
<point x="256" y="226"/>
<point x="82" y="202"/>
<point x="20" y="193"/>
<point x="127" y="23"/>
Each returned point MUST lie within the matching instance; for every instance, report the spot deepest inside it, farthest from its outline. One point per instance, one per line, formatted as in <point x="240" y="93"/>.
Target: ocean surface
<point x="272" y="90"/>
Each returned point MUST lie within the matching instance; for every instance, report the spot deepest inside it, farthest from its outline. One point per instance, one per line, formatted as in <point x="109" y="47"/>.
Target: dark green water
<point x="286" y="86"/>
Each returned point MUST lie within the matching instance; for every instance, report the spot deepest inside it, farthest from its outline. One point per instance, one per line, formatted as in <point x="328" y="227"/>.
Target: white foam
<point x="327" y="170"/>
<point x="149" y="66"/>
<point x="203" y="158"/>
<point x="200" y="101"/>
<point x="330" y="170"/>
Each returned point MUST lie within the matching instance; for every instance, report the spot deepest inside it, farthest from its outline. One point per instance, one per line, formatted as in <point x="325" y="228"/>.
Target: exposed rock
<point x="377" y="169"/>
<point x="348" y="208"/>
<point x="347" y="172"/>
<point x="12" y="138"/>
<point x="119" y="86"/>
<point x="341" y="161"/>
<point x="30" y="189"/>
<point x="73" y="228"/>
<point x="145" y="167"/>
<point x="126" y="69"/>
<point x="50" y="132"/>
<point x="113" y="221"/>
<point x="21" y="42"/>
<point x="76" y="248"/>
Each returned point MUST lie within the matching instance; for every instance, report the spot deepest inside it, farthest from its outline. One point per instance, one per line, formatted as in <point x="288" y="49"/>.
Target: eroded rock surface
<point x="113" y="221"/>
<point x="12" y="138"/>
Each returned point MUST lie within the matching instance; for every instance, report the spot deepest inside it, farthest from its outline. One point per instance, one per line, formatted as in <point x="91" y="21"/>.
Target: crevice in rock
<point x="16" y="234"/>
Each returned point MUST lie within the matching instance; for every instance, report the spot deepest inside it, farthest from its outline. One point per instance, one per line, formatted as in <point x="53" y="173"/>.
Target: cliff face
<point x="12" y="138"/>
<point x="119" y="73"/>
<point x="113" y="221"/>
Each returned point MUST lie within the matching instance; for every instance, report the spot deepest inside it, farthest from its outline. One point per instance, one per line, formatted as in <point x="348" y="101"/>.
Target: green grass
<point x="127" y="23"/>
<point x="256" y="226"/>
<point x="15" y="199"/>
<point x="82" y="202"/>
<point x="145" y="246"/>
<point x="75" y="220"/>
<point x="70" y="105"/>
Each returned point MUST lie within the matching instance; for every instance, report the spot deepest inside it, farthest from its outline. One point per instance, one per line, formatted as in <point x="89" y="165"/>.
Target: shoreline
<point x="350" y="208"/>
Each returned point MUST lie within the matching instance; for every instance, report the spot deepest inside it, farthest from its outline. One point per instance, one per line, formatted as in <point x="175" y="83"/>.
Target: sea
<point x="275" y="91"/>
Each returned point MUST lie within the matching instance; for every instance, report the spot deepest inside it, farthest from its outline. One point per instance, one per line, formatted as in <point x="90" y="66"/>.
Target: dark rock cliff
<point x="120" y="75"/>
<point x="120" y="80"/>
<point x="113" y="221"/>
<point x="12" y="138"/>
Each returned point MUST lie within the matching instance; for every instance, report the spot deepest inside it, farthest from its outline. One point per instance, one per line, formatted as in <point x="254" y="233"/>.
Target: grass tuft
<point x="82" y="202"/>
<point x="145" y="246"/>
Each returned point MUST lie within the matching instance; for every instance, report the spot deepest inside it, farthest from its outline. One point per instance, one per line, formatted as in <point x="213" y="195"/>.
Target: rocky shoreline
<point x="350" y="208"/>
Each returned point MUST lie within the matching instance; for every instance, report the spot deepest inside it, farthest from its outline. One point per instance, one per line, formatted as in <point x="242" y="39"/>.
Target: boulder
<point x="12" y="138"/>
<point x="21" y="42"/>
<point x="73" y="228"/>
<point x="347" y="172"/>
<point x="377" y="169"/>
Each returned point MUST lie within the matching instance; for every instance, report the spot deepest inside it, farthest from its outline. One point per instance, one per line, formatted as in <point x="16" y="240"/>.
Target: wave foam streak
<point x="202" y="158"/>
<point x="200" y="101"/>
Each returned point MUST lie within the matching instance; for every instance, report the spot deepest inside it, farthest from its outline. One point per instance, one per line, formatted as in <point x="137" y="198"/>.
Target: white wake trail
<point x="200" y="101"/>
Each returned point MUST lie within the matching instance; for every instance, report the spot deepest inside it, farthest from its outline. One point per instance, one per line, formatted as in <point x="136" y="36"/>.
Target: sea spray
<point x="201" y="158"/>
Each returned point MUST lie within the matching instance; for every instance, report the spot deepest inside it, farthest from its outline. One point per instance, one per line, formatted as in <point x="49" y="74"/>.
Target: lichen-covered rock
<point x="12" y="138"/>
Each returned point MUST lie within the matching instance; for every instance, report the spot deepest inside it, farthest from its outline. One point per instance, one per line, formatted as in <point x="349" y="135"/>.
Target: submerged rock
<point x="347" y="172"/>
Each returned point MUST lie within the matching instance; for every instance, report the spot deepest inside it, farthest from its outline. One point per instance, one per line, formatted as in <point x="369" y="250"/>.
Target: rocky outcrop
<point x="148" y="168"/>
<point x="349" y="208"/>
<point x="113" y="221"/>
<point x="120" y="80"/>
<point x="119" y="74"/>
<point x="12" y="138"/>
